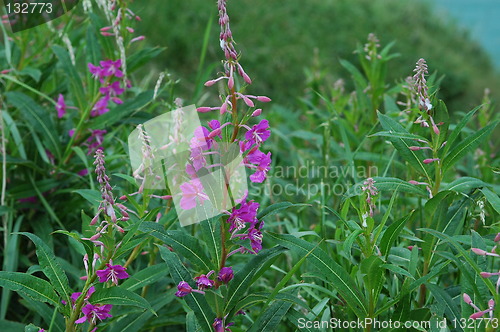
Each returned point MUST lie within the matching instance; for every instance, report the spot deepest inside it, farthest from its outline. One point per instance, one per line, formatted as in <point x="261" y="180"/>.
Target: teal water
<point x="480" y="17"/>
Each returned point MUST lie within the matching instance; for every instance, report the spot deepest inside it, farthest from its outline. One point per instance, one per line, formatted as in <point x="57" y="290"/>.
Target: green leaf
<point x="393" y="134"/>
<point x="467" y="144"/>
<point x="243" y="278"/>
<point x="146" y="276"/>
<point x="134" y="323"/>
<point x="9" y="326"/>
<point x="271" y="318"/>
<point x="141" y="57"/>
<point x="492" y="198"/>
<point x="445" y="301"/>
<point x="122" y="111"/>
<point x="414" y="158"/>
<point x="464" y="184"/>
<point x="73" y="78"/>
<point x="275" y="208"/>
<point x="93" y="196"/>
<point x="184" y="244"/>
<point x="328" y="269"/>
<point x="36" y="288"/>
<point x="373" y="272"/>
<point x="120" y="296"/>
<point x="391" y="234"/>
<point x="195" y="301"/>
<point x="211" y="234"/>
<point x="51" y="267"/>
<point x="456" y="132"/>
<point x="38" y="118"/>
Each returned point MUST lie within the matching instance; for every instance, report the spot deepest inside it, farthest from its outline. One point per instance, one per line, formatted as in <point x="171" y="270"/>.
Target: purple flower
<point x="113" y="273"/>
<point x="76" y="295"/>
<point x="203" y="282"/>
<point x="112" y="91"/>
<point x="93" y="312"/>
<point x="111" y="68"/>
<point x="95" y="140"/>
<point x="183" y="289"/>
<point x="219" y="325"/>
<point x="225" y="274"/>
<point x="255" y="237"/>
<point x="263" y="163"/>
<point x="100" y="107"/>
<point x="246" y="213"/>
<point x="60" y="106"/>
<point x="259" y="133"/>
<point x="96" y="71"/>
<point x="190" y="191"/>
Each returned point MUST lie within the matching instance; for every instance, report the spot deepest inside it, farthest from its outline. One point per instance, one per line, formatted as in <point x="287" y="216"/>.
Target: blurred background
<point x="286" y="44"/>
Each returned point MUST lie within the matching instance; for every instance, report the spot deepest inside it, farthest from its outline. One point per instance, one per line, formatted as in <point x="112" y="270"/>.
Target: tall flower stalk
<point x="236" y="110"/>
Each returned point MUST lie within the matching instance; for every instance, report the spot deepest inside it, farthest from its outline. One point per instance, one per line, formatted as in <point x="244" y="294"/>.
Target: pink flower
<point x="263" y="162"/>
<point x="111" y="68"/>
<point x="60" y="106"/>
<point x="226" y="274"/>
<point x="100" y="107"/>
<point x="259" y="133"/>
<point x="203" y="281"/>
<point x="183" y="289"/>
<point x="112" y="91"/>
<point x="246" y="213"/>
<point x="190" y="191"/>
<point x="93" y="312"/>
<point x="113" y="273"/>
<point x="430" y="160"/>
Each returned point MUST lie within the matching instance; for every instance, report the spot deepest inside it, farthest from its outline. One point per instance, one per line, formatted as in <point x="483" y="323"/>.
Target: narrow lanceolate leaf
<point x="272" y="317"/>
<point x="145" y="277"/>
<point x="391" y="234"/>
<point x="466" y="145"/>
<point x="36" y="116"/>
<point x="211" y="234"/>
<point x="185" y="244"/>
<point x="414" y="158"/>
<point x="464" y="184"/>
<point x="51" y="267"/>
<point x="328" y="269"/>
<point x="120" y="296"/>
<point x="36" y="288"/>
<point x="456" y="132"/>
<point x="195" y="301"/>
<point x="492" y="198"/>
<point x="445" y="301"/>
<point x="275" y="208"/>
<point x="243" y="278"/>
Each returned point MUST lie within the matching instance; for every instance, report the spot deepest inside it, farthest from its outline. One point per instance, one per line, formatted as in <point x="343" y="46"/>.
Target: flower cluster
<point x="204" y="282"/>
<point x="491" y="303"/>
<point x="423" y="96"/>
<point x="91" y="312"/>
<point x="124" y="16"/>
<point x="107" y="205"/>
<point x="370" y="190"/>
<point x="110" y="91"/>
<point x="245" y="219"/>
